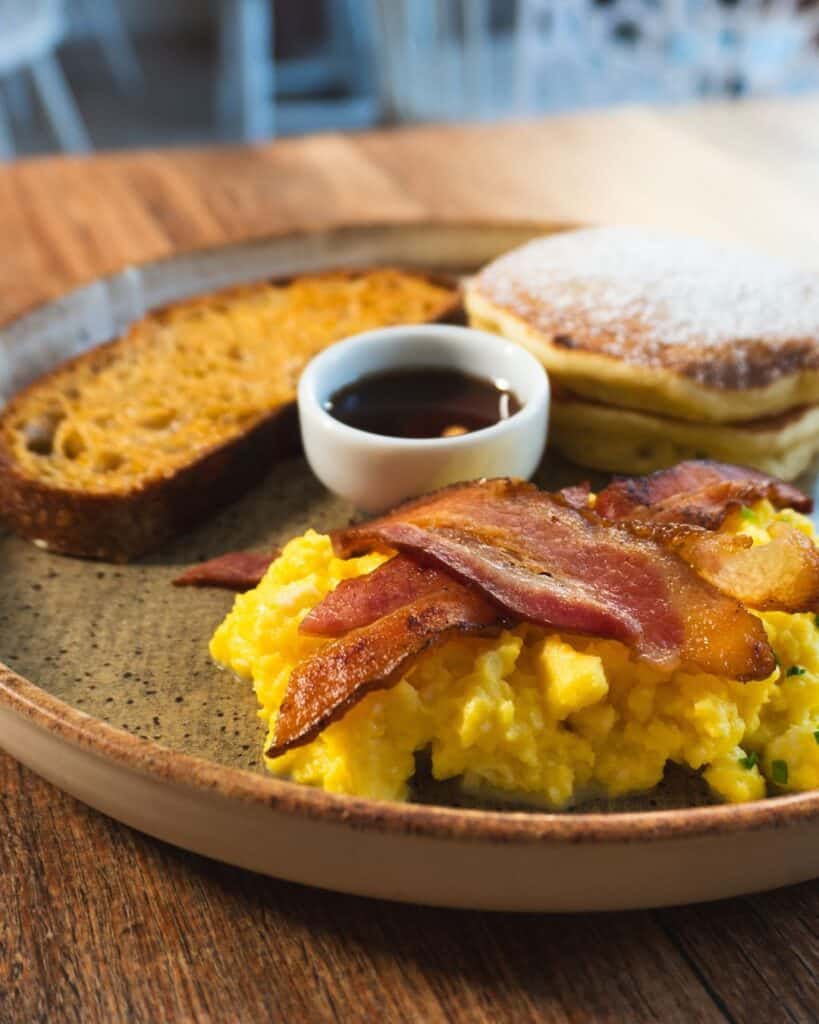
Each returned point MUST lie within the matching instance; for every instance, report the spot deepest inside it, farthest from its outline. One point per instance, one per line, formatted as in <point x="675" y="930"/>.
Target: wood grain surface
<point x="99" y="923"/>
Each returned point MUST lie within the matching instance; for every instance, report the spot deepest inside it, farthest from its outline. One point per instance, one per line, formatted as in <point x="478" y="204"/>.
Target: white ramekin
<point x="375" y="472"/>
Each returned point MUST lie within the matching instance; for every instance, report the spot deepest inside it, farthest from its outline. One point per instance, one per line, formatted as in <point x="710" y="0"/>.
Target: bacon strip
<point x="360" y="601"/>
<point x="237" y="570"/>
<point x="375" y="656"/>
<point x="782" y="575"/>
<point x="701" y="493"/>
<point x="577" y="496"/>
<point x="547" y="563"/>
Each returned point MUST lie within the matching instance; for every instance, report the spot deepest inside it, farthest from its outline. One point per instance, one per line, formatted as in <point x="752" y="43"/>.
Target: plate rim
<point x="311" y="232"/>
<point x="146" y="757"/>
<point x="65" y="723"/>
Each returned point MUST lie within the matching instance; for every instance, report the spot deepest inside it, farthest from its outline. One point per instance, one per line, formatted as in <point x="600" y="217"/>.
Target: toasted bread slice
<point x="670" y="325"/>
<point x="137" y="440"/>
<point x="609" y="438"/>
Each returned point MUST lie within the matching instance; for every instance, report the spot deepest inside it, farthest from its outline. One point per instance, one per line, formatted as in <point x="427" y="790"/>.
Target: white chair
<point x="250" y="78"/>
<point x="30" y="31"/>
<point x="103" y="20"/>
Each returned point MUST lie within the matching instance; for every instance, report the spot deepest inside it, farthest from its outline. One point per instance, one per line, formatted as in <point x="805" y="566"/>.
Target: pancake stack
<point x="663" y="348"/>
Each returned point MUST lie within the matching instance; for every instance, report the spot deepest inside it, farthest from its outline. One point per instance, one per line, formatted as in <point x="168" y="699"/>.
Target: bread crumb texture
<point x="196" y="375"/>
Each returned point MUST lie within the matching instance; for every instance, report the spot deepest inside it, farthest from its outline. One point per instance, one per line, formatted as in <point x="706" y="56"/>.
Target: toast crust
<point x="117" y="527"/>
<point x="119" y="523"/>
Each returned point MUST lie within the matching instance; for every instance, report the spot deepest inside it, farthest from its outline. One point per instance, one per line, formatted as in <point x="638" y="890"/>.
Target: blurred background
<point x="81" y="74"/>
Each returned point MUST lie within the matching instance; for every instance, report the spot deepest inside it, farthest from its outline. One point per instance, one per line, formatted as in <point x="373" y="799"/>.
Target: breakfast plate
<point x="108" y="691"/>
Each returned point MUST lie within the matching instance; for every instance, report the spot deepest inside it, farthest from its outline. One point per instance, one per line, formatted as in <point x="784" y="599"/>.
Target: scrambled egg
<point x="540" y="716"/>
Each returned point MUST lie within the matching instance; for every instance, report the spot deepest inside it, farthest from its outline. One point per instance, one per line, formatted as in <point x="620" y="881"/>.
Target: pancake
<point x="614" y="439"/>
<point x="684" y="328"/>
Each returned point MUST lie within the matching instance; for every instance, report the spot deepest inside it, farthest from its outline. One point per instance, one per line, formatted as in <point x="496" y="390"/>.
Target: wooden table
<point x="99" y="923"/>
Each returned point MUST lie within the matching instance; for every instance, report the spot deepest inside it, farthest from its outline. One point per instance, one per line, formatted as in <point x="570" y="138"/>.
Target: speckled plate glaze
<point x="107" y="689"/>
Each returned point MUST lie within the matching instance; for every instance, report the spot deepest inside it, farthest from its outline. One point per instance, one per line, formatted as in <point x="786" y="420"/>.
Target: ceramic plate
<point x="107" y="689"/>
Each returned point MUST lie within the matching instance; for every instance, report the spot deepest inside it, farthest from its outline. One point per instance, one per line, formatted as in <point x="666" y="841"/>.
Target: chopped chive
<point x="816" y="621"/>
<point x="750" y="761"/>
<point x="795" y="670"/>
<point x="816" y="735"/>
<point x="748" y="514"/>
<point x="779" y="772"/>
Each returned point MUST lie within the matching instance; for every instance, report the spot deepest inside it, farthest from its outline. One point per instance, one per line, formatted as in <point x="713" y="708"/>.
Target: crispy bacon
<point x="782" y="575"/>
<point x="701" y="493"/>
<point x="578" y="495"/>
<point x="360" y="601"/>
<point x="375" y="656"/>
<point x="237" y="570"/>
<point x="547" y="563"/>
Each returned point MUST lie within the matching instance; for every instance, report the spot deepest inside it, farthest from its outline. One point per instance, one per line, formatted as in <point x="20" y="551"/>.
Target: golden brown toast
<point x="138" y="439"/>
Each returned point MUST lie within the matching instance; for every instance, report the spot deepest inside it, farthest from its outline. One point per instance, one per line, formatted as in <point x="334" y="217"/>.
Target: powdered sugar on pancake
<point x="722" y="315"/>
